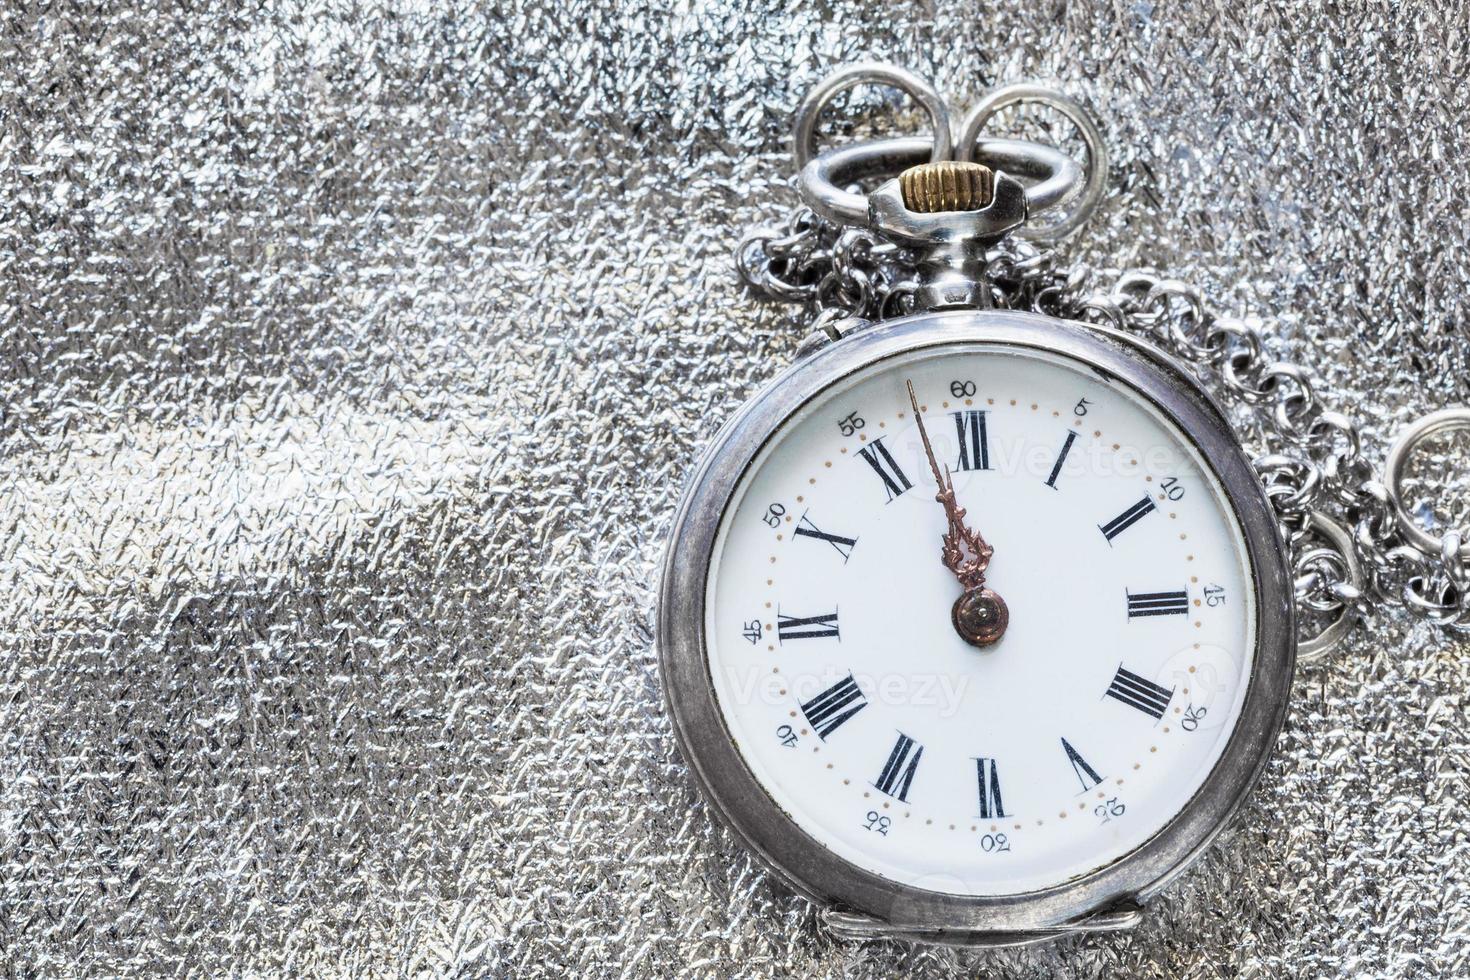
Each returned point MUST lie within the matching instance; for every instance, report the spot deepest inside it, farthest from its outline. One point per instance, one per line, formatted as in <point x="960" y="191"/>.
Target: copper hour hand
<point x="980" y="615"/>
<point x="965" y="551"/>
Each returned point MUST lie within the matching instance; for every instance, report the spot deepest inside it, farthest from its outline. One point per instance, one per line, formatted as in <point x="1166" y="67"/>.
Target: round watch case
<point x="859" y="901"/>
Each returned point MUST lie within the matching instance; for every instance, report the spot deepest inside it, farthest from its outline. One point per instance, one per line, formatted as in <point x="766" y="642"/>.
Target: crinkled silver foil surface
<point x="353" y="357"/>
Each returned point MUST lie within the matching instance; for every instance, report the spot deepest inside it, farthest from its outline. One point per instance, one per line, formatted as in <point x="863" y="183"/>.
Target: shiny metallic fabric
<point x="353" y="357"/>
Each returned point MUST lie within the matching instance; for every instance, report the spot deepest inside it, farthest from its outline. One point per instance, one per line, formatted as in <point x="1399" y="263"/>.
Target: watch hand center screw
<point x="980" y="617"/>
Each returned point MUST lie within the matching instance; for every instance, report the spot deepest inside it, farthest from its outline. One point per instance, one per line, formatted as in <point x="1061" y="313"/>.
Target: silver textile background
<point x="353" y="358"/>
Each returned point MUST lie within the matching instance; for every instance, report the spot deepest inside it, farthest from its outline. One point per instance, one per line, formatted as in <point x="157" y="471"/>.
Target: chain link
<point x="1313" y="471"/>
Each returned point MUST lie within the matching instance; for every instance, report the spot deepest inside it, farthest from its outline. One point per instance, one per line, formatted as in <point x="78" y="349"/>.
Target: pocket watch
<point x="978" y="622"/>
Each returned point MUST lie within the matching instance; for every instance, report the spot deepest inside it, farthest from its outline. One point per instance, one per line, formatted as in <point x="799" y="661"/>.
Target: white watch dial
<point x="848" y="688"/>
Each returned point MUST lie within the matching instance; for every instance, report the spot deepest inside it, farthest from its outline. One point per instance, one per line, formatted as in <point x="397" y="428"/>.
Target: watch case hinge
<point x="828" y="331"/>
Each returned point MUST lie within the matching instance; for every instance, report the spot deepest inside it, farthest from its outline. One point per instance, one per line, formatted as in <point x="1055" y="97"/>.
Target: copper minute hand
<point x="964" y="551"/>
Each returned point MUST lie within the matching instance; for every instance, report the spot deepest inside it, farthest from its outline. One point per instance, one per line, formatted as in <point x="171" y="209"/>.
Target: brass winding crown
<point x="947" y="186"/>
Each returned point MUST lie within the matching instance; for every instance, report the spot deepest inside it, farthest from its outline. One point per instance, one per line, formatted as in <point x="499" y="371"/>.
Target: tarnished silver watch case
<point x="856" y="901"/>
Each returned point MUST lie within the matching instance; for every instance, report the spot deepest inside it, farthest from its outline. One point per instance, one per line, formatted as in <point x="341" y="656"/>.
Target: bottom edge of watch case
<point x="859" y="927"/>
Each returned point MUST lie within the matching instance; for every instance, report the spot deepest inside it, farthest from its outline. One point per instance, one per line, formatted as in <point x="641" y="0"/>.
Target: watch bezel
<point x="779" y="842"/>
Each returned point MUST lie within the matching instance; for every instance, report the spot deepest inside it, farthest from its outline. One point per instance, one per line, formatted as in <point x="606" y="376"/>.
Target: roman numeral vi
<point x="988" y="775"/>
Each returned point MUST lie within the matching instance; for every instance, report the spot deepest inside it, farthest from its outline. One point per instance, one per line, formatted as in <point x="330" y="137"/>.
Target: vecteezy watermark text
<point x="942" y="692"/>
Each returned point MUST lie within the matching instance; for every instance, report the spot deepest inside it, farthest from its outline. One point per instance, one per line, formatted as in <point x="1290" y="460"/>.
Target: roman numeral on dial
<point x="987" y="773"/>
<point x="1086" y="775"/>
<point x="805" y="627"/>
<point x="974" y="442"/>
<point x="827" y="711"/>
<point x="1127" y="519"/>
<point x="898" y="773"/>
<point x="807" y="529"/>
<point x="1138" y="692"/>
<point x="1056" y="469"/>
<point x="882" y="462"/>
<point x="1158" y="603"/>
